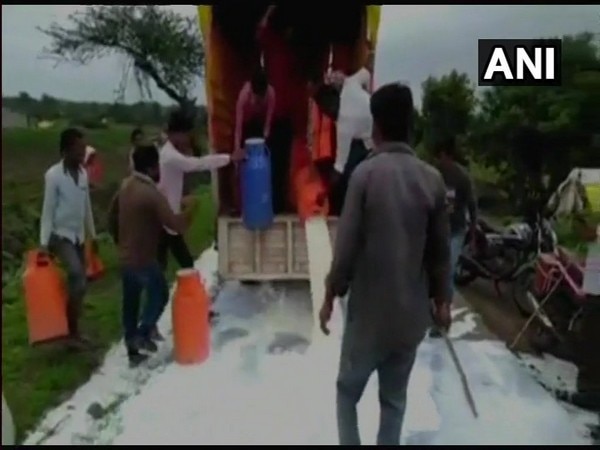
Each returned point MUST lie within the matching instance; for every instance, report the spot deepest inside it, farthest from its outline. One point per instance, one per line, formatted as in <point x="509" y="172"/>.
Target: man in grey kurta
<point x="392" y="253"/>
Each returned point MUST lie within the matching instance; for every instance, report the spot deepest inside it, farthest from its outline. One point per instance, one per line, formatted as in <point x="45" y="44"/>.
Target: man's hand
<point x="473" y="238"/>
<point x="441" y="315"/>
<point x="238" y="155"/>
<point x="325" y="316"/>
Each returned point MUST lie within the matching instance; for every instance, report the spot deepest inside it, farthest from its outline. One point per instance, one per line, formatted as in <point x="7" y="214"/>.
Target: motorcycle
<point x="500" y="253"/>
<point x="551" y="288"/>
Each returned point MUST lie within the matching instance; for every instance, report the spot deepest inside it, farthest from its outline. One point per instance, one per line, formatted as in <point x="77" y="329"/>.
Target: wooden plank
<point x="276" y="254"/>
<point x="320" y="254"/>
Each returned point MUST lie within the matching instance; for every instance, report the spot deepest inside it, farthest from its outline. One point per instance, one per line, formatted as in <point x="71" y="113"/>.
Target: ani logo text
<point x="519" y="62"/>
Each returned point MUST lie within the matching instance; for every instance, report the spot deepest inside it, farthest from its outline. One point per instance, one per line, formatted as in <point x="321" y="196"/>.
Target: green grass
<point x="35" y="379"/>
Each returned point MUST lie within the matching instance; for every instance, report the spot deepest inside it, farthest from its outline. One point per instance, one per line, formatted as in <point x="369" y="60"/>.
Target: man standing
<point x="460" y="199"/>
<point x="66" y="212"/>
<point x="137" y="138"/>
<point x="137" y="216"/>
<point x="391" y="253"/>
<point x="174" y="165"/>
<point x="354" y="125"/>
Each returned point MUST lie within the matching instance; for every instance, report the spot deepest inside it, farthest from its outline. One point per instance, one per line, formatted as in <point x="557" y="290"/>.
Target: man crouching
<point x="137" y="216"/>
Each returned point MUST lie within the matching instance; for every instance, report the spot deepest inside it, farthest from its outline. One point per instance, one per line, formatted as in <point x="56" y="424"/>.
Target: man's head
<point x="146" y="161"/>
<point x="137" y="137"/>
<point x="393" y="113"/>
<point x="259" y="83"/>
<point x="444" y="150"/>
<point x="180" y="130"/>
<point x="72" y="146"/>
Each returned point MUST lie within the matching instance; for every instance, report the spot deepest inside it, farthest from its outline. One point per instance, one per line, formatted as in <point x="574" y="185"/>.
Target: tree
<point x="544" y="130"/>
<point x="447" y="106"/>
<point x="157" y="43"/>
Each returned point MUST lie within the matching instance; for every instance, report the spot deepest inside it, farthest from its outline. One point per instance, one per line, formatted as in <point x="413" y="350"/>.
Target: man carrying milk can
<point x="66" y="213"/>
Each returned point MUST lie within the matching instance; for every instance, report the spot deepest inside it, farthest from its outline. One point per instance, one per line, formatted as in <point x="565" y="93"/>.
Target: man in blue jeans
<point x="460" y="200"/>
<point x="136" y="219"/>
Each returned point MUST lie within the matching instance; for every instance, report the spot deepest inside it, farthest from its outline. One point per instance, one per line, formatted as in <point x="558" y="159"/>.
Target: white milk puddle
<point x="244" y="395"/>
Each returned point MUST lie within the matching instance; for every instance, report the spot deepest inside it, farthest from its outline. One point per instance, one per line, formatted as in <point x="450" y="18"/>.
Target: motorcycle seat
<point x="487" y="227"/>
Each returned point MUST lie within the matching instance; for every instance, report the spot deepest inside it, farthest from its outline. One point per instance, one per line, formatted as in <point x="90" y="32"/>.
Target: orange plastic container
<point x="45" y="299"/>
<point x="94" y="266"/>
<point x="311" y="194"/>
<point x="191" y="327"/>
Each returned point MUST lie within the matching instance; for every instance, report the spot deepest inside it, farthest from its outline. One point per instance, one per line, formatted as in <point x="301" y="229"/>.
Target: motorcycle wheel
<point x="462" y="275"/>
<point x="521" y="291"/>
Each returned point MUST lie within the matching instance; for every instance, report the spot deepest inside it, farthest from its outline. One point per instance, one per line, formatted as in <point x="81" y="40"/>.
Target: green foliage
<point x="91" y="115"/>
<point x="159" y="45"/>
<point x="447" y="106"/>
<point x="533" y="130"/>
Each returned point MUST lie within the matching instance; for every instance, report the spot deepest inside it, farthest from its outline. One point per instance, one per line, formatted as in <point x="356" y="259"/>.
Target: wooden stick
<point x="461" y="373"/>
<point x="539" y="307"/>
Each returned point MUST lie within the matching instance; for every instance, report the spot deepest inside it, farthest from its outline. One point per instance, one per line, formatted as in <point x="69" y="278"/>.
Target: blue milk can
<point x="257" y="203"/>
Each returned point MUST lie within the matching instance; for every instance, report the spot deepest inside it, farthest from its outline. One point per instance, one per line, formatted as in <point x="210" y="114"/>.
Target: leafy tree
<point x="158" y="44"/>
<point x="544" y="130"/>
<point x="447" y="106"/>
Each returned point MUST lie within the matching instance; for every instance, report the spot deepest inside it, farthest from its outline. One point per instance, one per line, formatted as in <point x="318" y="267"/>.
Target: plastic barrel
<point x="191" y="327"/>
<point x="257" y="201"/>
<point x="45" y="299"/>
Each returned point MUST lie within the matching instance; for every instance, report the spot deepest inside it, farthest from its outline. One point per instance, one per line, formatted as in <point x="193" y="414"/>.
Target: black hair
<point x="393" y="112"/>
<point x="259" y="82"/>
<point x="68" y="137"/>
<point x="446" y="145"/>
<point x="137" y="132"/>
<point x="180" y="122"/>
<point x="145" y="157"/>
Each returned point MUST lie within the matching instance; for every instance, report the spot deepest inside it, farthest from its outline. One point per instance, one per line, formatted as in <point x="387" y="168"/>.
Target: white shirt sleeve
<point x="50" y="197"/>
<point x="198" y="164"/>
<point x="362" y="77"/>
<point x="89" y="216"/>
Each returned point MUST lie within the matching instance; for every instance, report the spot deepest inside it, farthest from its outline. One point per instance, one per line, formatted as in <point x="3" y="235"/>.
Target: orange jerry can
<point x="45" y="299"/>
<point x="94" y="267"/>
<point x="191" y="326"/>
<point x="311" y="194"/>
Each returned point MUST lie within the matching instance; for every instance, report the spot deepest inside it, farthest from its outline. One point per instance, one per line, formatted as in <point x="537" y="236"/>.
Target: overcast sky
<point x="414" y="42"/>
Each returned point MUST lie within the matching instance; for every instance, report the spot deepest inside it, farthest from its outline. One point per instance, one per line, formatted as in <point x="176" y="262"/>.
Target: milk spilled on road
<point x="249" y="394"/>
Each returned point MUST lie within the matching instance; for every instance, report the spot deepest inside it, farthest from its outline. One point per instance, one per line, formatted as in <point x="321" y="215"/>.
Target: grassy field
<point x="36" y="379"/>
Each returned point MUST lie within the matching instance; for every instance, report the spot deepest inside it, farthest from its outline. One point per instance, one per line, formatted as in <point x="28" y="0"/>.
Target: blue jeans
<point x="393" y="370"/>
<point x="456" y="245"/>
<point x="135" y="280"/>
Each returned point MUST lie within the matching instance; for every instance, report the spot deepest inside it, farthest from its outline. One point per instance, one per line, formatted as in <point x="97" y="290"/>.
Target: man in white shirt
<point x="354" y="123"/>
<point x="174" y="165"/>
<point x="66" y="212"/>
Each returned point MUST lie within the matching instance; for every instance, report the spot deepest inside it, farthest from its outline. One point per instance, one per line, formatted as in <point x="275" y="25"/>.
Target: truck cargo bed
<point x="279" y="253"/>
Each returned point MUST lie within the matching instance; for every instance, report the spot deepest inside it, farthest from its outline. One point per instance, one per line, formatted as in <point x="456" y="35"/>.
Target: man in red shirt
<point x="282" y="68"/>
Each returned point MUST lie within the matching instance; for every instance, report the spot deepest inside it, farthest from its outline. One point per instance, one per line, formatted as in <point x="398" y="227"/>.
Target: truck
<point x="298" y="244"/>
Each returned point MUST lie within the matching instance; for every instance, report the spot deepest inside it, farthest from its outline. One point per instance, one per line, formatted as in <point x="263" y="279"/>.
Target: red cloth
<point x="281" y="65"/>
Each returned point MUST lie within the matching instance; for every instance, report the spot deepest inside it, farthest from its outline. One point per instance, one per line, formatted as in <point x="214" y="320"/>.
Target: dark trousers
<point x="280" y="146"/>
<point x="358" y="152"/>
<point x="135" y="280"/>
<point x="393" y="370"/>
<point x="175" y="243"/>
<point x="72" y="257"/>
